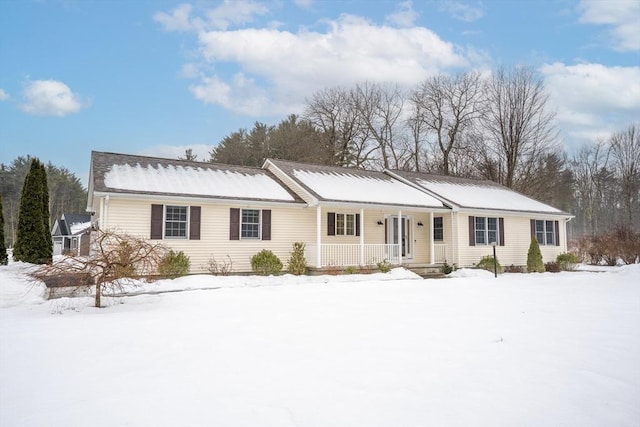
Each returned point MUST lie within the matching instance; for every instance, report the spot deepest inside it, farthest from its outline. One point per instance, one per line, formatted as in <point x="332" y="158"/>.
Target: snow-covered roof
<point x="477" y="194"/>
<point x="78" y="227"/>
<point x="350" y="185"/>
<point x="148" y="175"/>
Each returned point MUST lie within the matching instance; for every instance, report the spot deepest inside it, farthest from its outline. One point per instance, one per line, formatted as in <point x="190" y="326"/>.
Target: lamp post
<point x="495" y="261"/>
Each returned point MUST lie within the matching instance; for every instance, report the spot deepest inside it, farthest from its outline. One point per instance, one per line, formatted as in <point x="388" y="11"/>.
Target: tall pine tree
<point x="4" y="259"/>
<point x="33" y="238"/>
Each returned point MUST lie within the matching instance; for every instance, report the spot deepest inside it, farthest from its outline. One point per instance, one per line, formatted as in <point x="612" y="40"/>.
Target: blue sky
<point x="156" y="77"/>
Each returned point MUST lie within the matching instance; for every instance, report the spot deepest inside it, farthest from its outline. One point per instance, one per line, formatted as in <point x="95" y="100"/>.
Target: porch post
<point x="361" y="236"/>
<point x="318" y="237"/>
<point x="454" y="256"/>
<point x="431" y="244"/>
<point x="400" y="237"/>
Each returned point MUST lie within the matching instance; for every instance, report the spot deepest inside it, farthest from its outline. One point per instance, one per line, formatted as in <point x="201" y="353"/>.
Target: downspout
<point x="361" y="236"/>
<point x="318" y="237"/>
<point x="105" y="221"/>
<point x="432" y="247"/>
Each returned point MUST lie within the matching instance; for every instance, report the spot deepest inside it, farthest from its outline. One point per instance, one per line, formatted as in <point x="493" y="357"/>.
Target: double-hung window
<point x="486" y="230"/>
<point x="345" y="224"/>
<point x="250" y="224"/>
<point x="175" y="222"/>
<point x="545" y="232"/>
<point x="438" y="229"/>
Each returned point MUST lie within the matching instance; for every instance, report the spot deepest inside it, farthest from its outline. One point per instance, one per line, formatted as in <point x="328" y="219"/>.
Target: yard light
<point x="495" y="261"/>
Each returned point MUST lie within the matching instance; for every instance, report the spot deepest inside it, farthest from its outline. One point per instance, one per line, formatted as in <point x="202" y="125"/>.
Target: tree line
<point x="498" y="128"/>
<point x="65" y="193"/>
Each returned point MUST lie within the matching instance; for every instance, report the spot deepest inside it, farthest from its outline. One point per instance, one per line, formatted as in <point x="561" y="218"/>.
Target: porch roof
<point x="350" y="185"/>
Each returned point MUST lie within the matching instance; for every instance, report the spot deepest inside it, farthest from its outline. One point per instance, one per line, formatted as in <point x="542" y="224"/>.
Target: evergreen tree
<point x="4" y="259"/>
<point x="534" y="257"/>
<point x="33" y="236"/>
<point x="48" y="247"/>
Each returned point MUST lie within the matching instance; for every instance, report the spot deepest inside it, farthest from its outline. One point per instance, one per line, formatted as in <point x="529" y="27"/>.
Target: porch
<point x="344" y="255"/>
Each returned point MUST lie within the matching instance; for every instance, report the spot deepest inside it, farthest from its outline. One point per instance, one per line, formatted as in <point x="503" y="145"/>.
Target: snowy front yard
<point x="382" y="350"/>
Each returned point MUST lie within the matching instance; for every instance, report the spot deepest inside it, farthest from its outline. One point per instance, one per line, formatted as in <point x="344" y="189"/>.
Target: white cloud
<point x="3" y="95"/>
<point x="461" y="11"/>
<point x="405" y="16"/>
<point x="177" y="151"/>
<point x="623" y="17"/>
<point x="50" y="98"/>
<point x="227" y="14"/>
<point x="593" y="100"/>
<point x="305" y="4"/>
<point x="291" y="66"/>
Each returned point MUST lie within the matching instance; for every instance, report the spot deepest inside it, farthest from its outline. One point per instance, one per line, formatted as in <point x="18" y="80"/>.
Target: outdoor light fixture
<point x="495" y="262"/>
<point x="420" y="224"/>
<point x="380" y="222"/>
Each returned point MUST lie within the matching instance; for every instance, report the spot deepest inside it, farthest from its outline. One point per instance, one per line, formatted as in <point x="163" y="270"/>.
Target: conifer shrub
<point x="174" y="264"/>
<point x="447" y="269"/>
<point x="486" y="263"/>
<point x="33" y="237"/>
<point x="297" y="261"/>
<point x="265" y="263"/>
<point x="534" y="257"/>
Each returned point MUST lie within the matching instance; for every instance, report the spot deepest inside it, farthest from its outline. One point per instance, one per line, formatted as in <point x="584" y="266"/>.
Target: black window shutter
<point x="357" y="224"/>
<point x="556" y="225"/>
<point x="194" y="222"/>
<point x="533" y="228"/>
<point x="234" y="224"/>
<point x="157" y="212"/>
<point x="266" y="224"/>
<point x="386" y="228"/>
<point x="331" y="223"/>
<point x="472" y="231"/>
<point x="501" y="230"/>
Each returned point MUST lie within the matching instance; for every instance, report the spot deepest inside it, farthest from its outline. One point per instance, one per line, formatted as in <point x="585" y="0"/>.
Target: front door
<point x="405" y="234"/>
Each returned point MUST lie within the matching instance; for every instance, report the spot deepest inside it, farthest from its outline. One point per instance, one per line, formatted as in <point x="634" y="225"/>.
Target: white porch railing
<point x="342" y="255"/>
<point x="439" y="253"/>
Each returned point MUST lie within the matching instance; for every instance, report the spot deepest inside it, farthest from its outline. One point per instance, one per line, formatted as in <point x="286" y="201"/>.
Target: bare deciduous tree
<point x="625" y="153"/>
<point x="114" y="257"/>
<point x="380" y="107"/>
<point x="447" y="107"/>
<point x="332" y="111"/>
<point x="519" y="128"/>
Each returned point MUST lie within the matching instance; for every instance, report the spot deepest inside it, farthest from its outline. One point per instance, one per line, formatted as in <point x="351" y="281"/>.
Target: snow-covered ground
<point x="380" y="350"/>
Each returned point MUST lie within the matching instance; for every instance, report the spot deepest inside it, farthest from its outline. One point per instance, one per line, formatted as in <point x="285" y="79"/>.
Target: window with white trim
<point x="545" y="232"/>
<point x="486" y="230"/>
<point x="175" y="222"/>
<point x="250" y="224"/>
<point x="345" y="224"/>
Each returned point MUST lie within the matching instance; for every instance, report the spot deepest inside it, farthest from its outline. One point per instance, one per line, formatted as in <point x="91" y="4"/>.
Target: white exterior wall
<point x="288" y="225"/>
<point x="517" y="236"/>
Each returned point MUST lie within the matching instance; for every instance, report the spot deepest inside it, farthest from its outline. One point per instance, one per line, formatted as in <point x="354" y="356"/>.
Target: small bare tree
<point x="114" y="256"/>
